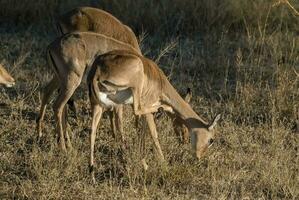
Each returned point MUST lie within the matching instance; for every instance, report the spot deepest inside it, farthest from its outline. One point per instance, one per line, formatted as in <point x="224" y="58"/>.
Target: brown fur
<point x="180" y="129"/>
<point x="5" y="78"/>
<point x="99" y="21"/>
<point x="71" y="56"/>
<point x="121" y="70"/>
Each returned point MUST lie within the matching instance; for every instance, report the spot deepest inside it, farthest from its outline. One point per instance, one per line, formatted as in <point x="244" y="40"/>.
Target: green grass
<point x="238" y="58"/>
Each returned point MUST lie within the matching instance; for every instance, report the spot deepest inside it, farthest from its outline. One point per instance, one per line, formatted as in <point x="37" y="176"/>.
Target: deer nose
<point x="11" y="83"/>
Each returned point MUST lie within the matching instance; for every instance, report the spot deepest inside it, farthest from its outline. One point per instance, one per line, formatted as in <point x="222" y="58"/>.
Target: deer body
<point x="122" y="70"/>
<point x="99" y="21"/>
<point x="79" y="53"/>
<point x="71" y="57"/>
<point x="96" y="20"/>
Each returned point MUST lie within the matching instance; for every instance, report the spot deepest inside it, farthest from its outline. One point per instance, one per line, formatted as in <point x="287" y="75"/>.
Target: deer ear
<point x="188" y="95"/>
<point x="213" y="124"/>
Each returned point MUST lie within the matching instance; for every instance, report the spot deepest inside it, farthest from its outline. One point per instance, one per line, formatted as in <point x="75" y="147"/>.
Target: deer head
<point x="5" y="78"/>
<point x="202" y="138"/>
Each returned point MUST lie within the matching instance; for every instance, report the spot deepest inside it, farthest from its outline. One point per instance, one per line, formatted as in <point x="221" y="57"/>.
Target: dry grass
<point x="243" y="69"/>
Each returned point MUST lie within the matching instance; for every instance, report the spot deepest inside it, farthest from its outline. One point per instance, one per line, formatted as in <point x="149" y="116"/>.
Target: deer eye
<point x="210" y="142"/>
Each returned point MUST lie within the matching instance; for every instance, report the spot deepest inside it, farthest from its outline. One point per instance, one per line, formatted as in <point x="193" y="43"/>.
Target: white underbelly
<point x="105" y="101"/>
<point x="120" y="97"/>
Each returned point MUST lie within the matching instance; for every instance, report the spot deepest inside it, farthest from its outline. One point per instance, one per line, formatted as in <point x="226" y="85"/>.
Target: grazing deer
<point x="5" y="78"/>
<point x="71" y="56"/>
<point x="95" y="20"/>
<point x="100" y="21"/>
<point x="124" y="77"/>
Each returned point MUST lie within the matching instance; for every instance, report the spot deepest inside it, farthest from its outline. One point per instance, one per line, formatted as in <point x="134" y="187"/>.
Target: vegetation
<point x="240" y="58"/>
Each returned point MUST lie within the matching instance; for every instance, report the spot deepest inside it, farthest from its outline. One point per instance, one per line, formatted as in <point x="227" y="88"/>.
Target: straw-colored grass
<point x="240" y="58"/>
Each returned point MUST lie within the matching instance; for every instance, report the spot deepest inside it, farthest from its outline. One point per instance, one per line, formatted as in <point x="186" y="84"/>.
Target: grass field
<point x="240" y="58"/>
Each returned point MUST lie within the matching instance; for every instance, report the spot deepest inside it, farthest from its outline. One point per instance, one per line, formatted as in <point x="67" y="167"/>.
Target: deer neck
<point x="181" y="108"/>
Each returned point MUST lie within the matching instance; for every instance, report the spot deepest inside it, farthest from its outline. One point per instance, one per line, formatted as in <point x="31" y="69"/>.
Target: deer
<point x="99" y="21"/>
<point x="5" y="78"/>
<point x="124" y="77"/>
<point x="71" y="56"/>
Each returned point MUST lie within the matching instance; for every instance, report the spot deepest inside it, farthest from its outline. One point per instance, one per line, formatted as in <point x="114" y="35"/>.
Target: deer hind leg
<point x="152" y="126"/>
<point x="73" y="106"/>
<point x="111" y="115"/>
<point x="65" y="125"/>
<point x="118" y="121"/>
<point x="96" y="116"/>
<point x="47" y="92"/>
<point x="71" y="82"/>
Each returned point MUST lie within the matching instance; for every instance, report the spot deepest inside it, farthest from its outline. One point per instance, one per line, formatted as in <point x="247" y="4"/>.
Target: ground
<point x="247" y="77"/>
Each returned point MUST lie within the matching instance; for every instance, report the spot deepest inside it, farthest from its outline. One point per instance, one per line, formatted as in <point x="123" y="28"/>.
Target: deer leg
<point x="137" y="121"/>
<point x="185" y="134"/>
<point x="96" y="116"/>
<point x="136" y="101"/>
<point x="118" y="121"/>
<point x="141" y="138"/>
<point x="72" y="81"/>
<point x="65" y="126"/>
<point x="152" y="126"/>
<point x="47" y="92"/>
<point x="73" y="106"/>
<point x="111" y="115"/>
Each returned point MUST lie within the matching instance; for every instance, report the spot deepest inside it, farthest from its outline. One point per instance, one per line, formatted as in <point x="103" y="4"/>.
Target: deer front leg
<point x="118" y="121"/>
<point x="116" y="124"/>
<point x="111" y="115"/>
<point x="153" y="130"/>
<point x="65" y="127"/>
<point x="97" y="111"/>
<point x="136" y="101"/>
